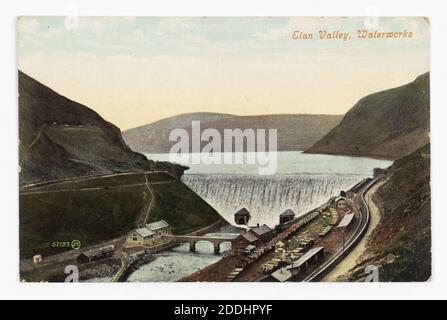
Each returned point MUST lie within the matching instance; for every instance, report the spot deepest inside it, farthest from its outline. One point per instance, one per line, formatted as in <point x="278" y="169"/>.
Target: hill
<point x="389" y="124"/>
<point x="60" y="138"/>
<point x="401" y="244"/>
<point x="97" y="209"/>
<point x="295" y="131"/>
<point x="103" y="188"/>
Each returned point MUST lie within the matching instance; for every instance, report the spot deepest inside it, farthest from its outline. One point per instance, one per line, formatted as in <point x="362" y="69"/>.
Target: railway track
<point x="352" y="241"/>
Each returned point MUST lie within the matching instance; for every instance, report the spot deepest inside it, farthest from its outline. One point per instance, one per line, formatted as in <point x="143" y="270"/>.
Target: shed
<point x="341" y="202"/>
<point x="37" y="258"/>
<point x="263" y="232"/>
<point x="346" y="221"/>
<point x="89" y="256"/>
<point x="312" y="256"/>
<point x="242" y="241"/>
<point x="96" y="254"/>
<point x="286" y="216"/>
<point x="242" y="216"/>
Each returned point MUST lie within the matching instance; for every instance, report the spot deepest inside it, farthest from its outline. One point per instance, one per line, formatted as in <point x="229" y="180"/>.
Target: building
<point x="314" y="255"/>
<point x="141" y="237"/>
<point x="160" y="228"/>
<point x="286" y="216"/>
<point x="244" y="240"/>
<point x="347" y="219"/>
<point x="263" y="233"/>
<point x="341" y="202"/>
<point x="96" y="254"/>
<point x="89" y="256"/>
<point x="37" y="259"/>
<point x="298" y="267"/>
<point x="149" y="235"/>
<point x="249" y="249"/>
<point x="242" y="217"/>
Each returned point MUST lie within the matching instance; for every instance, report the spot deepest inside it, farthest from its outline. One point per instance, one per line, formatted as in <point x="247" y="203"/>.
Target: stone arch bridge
<point x="192" y="240"/>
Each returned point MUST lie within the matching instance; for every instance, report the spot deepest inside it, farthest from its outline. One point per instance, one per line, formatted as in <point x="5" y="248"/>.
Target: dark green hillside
<point x="388" y="124"/>
<point x="93" y="210"/>
<point x="88" y="216"/>
<point x="179" y="205"/>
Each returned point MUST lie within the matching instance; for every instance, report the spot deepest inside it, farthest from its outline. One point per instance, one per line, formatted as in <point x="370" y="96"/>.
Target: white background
<point x="9" y="279"/>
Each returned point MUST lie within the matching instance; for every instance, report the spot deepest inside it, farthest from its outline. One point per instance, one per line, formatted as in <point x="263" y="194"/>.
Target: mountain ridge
<point x="60" y="138"/>
<point x="295" y="131"/>
<point x="387" y="124"/>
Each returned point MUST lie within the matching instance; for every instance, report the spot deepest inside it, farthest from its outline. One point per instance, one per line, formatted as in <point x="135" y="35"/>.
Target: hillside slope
<point x="401" y="244"/>
<point x="295" y="132"/>
<point x="388" y="124"/>
<point x="60" y="138"/>
<point x="104" y="208"/>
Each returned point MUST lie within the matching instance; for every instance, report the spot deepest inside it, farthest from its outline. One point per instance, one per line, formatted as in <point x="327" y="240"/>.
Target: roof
<point x="249" y="237"/>
<point x="282" y="274"/>
<point x="346" y="220"/>
<point x="288" y="213"/>
<point x="157" y="225"/>
<point x="340" y="198"/>
<point x="99" y="252"/>
<point x="92" y="253"/>
<point x="261" y="230"/>
<point x="108" y="248"/>
<point x="144" y="232"/>
<point x="243" y="211"/>
<point x="250" y="247"/>
<point x="309" y="254"/>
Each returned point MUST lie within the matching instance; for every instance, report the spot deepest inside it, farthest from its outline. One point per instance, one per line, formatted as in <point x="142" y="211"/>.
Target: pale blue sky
<point x="137" y="70"/>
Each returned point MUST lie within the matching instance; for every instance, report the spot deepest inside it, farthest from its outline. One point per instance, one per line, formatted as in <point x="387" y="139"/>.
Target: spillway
<point x="267" y="196"/>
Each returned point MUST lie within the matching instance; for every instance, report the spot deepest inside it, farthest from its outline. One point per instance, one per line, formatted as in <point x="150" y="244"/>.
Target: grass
<point x="90" y="217"/>
<point x="181" y="207"/>
<point x="159" y="177"/>
<point x="93" y="216"/>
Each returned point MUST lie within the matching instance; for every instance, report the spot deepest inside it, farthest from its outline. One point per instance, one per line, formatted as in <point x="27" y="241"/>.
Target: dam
<point x="266" y="197"/>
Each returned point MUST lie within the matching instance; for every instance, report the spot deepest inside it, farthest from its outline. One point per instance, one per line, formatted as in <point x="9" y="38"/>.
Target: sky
<point x="137" y="70"/>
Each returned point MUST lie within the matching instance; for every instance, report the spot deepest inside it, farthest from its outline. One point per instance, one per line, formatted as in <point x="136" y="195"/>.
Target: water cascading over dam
<point x="267" y="196"/>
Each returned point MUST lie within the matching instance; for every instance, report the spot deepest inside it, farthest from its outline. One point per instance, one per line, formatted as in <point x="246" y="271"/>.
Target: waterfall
<point x="267" y="196"/>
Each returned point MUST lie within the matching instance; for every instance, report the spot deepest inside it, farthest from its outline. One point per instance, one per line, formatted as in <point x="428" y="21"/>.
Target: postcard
<point x="224" y="149"/>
